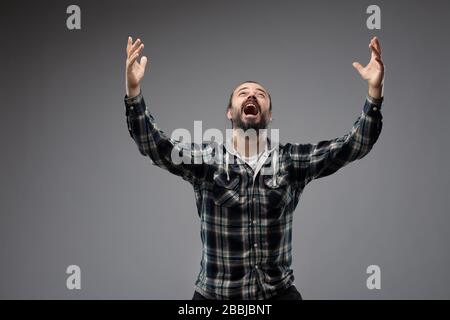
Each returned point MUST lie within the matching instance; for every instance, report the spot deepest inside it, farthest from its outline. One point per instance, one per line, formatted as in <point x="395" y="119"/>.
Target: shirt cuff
<point x="372" y="106"/>
<point x="134" y="106"/>
<point x="373" y="100"/>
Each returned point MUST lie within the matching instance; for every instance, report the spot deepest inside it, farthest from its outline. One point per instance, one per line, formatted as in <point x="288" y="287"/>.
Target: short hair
<point x="250" y="81"/>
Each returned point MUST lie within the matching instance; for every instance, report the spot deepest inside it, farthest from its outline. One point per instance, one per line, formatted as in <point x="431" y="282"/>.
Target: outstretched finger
<point x="132" y="58"/>
<point x="129" y="42"/>
<point x="377" y="45"/>
<point x="143" y="62"/>
<point x="375" y="52"/>
<point x="358" y="66"/>
<point x="140" y="48"/>
<point x="134" y="47"/>
<point x="380" y="62"/>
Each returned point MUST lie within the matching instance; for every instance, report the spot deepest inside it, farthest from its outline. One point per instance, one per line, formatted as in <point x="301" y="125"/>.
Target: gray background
<point x="75" y="189"/>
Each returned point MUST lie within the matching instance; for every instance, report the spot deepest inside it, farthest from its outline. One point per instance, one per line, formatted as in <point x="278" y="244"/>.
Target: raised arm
<point x="313" y="161"/>
<point x="178" y="158"/>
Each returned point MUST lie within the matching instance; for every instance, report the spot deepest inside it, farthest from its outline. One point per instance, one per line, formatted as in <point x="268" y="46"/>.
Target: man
<point x="246" y="216"/>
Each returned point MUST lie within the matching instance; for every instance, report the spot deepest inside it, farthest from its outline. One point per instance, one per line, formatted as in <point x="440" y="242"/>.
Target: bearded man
<point x="246" y="214"/>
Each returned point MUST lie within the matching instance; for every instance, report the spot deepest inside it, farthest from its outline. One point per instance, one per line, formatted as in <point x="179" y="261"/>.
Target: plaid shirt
<point x="246" y="222"/>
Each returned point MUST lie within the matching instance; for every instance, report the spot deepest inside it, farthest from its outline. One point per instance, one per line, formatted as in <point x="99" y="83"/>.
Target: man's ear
<point x="270" y="116"/>
<point x="229" y="114"/>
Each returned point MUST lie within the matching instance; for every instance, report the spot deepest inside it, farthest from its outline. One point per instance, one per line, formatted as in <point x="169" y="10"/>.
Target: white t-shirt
<point x="252" y="161"/>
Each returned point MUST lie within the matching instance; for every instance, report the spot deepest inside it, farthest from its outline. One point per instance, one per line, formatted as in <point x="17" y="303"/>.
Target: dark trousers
<point x="290" y="293"/>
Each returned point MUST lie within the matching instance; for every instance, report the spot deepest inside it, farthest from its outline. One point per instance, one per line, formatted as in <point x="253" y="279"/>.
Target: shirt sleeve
<point x="313" y="161"/>
<point x="182" y="159"/>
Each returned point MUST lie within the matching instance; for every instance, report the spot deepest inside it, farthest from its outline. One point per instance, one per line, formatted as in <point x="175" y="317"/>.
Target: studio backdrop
<point x="76" y="192"/>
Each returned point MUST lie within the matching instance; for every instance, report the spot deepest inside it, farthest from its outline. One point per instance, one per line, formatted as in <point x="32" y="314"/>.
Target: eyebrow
<point x="256" y="89"/>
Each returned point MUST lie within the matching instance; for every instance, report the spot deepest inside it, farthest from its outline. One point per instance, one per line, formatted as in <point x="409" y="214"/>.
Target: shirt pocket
<point x="226" y="191"/>
<point x="277" y="191"/>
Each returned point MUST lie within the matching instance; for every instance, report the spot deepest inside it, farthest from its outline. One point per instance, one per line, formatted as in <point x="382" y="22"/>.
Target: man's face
<point x="250" y="107"/>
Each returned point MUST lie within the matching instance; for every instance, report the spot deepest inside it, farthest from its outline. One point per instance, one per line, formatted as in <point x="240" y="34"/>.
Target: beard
<point x="238" y="123"/>
<point x="252" y="123"/>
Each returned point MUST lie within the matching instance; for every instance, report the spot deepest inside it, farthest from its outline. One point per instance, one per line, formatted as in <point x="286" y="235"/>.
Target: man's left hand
<point x="373" y="72"/>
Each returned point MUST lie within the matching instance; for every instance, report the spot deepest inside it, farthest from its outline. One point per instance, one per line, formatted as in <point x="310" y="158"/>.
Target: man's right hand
<point x="134" y="70"/>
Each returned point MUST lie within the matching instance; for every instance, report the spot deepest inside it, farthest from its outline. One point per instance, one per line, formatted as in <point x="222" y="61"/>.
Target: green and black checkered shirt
<point x="246" y="223"/>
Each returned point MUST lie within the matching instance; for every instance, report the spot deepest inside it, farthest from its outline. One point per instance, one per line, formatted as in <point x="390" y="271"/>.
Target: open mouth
<point x="250" y="109"/>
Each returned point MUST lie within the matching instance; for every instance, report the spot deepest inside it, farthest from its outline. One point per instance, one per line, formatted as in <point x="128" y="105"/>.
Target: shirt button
<point x="131" y="108"/>
<point x="254" y="221"/>
<point x="374" y="108"/>
<point x="256" y="266"/>
<point x="255" y="245"/>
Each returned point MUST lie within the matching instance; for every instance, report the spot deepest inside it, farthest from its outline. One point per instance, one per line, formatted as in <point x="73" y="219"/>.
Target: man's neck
<point x="249" y="145"/>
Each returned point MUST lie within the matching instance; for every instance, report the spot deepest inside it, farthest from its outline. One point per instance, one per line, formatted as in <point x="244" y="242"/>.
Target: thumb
<point x="143" y="62"/>
<point x="357" y="66"/>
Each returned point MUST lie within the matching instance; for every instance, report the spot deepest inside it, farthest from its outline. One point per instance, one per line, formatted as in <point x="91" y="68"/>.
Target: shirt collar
<point x="229" y="147"/>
